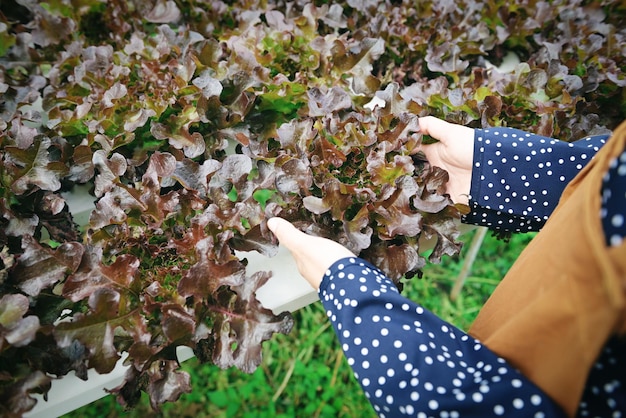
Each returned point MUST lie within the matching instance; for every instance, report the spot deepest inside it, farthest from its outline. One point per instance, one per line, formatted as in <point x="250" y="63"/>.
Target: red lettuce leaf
<point x="95" y="331"/>
<point x="33" y="167"/>
<point x="163" y="381"/>
<point x="396" y="215"/>
<point x="15" y="400"/>
<point x="40" y="268"/>
<point x="15" y="328"/>
<point x="204" y="278"/>
<point x="241" y="324"/>
<point x="92" y="275"/>
<point x="397" y="261"/>
<point x="108" y="316"/>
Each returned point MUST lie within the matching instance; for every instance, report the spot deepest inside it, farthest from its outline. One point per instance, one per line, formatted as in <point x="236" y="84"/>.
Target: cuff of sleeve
<point x="518" y="177"/>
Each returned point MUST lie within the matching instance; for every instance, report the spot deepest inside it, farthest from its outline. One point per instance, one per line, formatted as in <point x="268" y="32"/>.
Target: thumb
<point x="433" y="126"/>
<point x="287" y="234"/>
<point x="444" y="131"/>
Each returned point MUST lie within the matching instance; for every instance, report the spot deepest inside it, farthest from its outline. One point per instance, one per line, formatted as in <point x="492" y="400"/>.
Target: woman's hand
<point x="313" y="255"/>
<point x="454" y="153"/>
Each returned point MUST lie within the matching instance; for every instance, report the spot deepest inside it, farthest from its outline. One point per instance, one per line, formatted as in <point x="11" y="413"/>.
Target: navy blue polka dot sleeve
<point x="409" y="362"/>
<point x="613" y="212"/>
<point x="518" y="177"/>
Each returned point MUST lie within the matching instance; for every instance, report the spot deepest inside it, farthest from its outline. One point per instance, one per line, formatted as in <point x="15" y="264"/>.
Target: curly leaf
<point x="17" y="226"/>
<point x="178" y="324"/>
<point x="96" y="329"/>
<point x="167" y="382"/>
<point x="16" y="329"/>
<point x="93" y="275"/>
<point x="430" y="196"/>
<point x="322" y="102"/>
<point x="358" y="230"/>
<point x="15" y="400"/>
<point x="241" y="325"/>
<point x="110" y="169"/>
<point x="112" y="207"/>
<point x="446" y="232"/>
<point x="117" y="91"/>
<point x="234" y="171"/>
<point x="445" y="58"/>
<point x="164" y="11"/>
<point x="384" y="171"/>
<point x="256" y="240"/>
<point x="194" y="176"/>
<point x="204" y="278"/>
<point x="337" y="198"/>
<point x="94" y="334"/>
<point x="316" y="205"/>
<point x="177" y="132"/>
<point x="162" y="380"/>
<point x="211" y="87"/>
<point x="357" y="60"/>
<point x="293" y="176"/>
<point x="396" y="260"/>
<point x="39" y="268"/>
<point x="35" y="168"/>
<point x="396" y="214"/>
<point x="138" y="119"/>
<point x="161" y="165"/>
<point x="296" y="135"/>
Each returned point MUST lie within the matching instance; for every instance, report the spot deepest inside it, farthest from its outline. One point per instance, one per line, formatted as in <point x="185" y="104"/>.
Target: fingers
<point x="432" y="126"/>
<point x="454" y="153"/>
<point x="296" y="241"/>
<point x="444" y="131"/>
<point x="313" y="255"/>
<point x="287" y="234"/>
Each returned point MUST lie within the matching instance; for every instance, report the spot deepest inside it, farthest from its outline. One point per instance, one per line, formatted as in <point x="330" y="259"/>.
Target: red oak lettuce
<point x="192" y="122"/>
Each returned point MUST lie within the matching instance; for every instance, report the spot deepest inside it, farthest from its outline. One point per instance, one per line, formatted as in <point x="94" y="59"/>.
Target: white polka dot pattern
<point x="613" y="212"/>
<point x="605" y="391"/>
<point x="518" y="177"/>
<point x="410" y="362"/>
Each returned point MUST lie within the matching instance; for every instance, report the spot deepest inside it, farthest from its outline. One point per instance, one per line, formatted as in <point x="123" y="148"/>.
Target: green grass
<point x="304" y="374"/>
